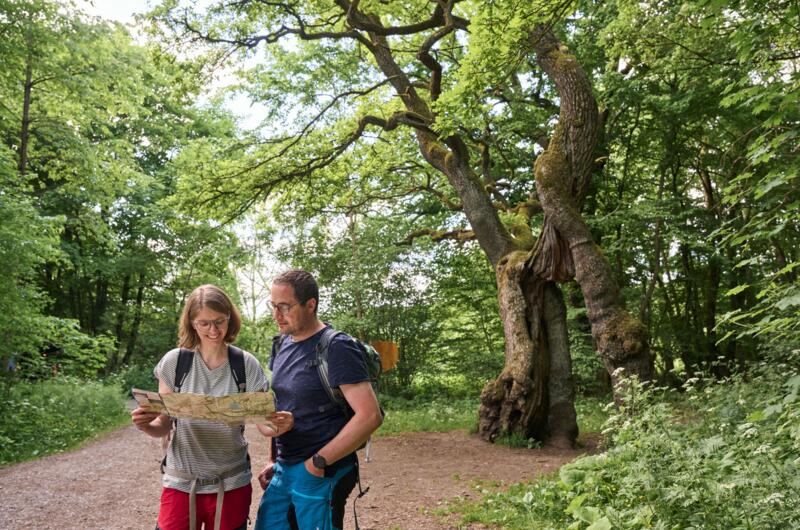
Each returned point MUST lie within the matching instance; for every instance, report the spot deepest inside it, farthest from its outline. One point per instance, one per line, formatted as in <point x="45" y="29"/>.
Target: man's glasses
<point x="281" y="308"/>
<point x="205" y="325"/>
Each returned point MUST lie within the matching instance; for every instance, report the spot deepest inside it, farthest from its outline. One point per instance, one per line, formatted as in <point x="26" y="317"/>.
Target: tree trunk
<point x="561" y="174"/>
<point x="137" y="321"/>
<point x="356" y="269"/>
<point x="517" y="401"/>
<point x="534" y="394"/>
<point x="26" y="111"/>
<point x="98" y="306"/>
<point x="561" y="418"/>
<point x="666" y="164"/>
<point x="119" y="326"/>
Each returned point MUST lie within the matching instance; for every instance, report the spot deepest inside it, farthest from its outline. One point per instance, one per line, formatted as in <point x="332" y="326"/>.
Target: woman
<point x="207" y="473"/>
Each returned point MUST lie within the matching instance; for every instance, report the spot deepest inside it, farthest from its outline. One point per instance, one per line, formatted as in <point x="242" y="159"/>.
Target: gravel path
<point x="114" y="482"/>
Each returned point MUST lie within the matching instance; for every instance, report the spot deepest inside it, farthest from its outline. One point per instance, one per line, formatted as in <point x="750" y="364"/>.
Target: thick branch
<point x="561" y="173"/>
<point x="439" y="235"/>
<point x="359" y="20"/>
<point x="424" y="54"/>
<point x="578" y="119"/>
<point x="302" y="31"/>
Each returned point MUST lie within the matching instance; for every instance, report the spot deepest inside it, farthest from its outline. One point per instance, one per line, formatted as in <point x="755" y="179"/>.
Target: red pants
<point x="173" y="514"/>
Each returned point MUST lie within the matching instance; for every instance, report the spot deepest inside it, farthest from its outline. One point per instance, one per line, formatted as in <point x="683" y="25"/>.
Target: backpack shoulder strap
<point x="277" y="341"/>
<point x="337" y="399"/>
<point x="185" y="358"/>
<point x="236" y="362"/>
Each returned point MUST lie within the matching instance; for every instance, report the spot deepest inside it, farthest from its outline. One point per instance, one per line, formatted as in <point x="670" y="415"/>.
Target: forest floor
<point x="114" y="481"/>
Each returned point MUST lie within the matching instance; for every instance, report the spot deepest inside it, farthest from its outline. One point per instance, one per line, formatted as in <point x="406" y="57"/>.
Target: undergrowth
<point x="48" y="416"/>
<point x="715" y="454"/>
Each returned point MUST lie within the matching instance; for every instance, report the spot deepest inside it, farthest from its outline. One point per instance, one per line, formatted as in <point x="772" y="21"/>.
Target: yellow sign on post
<point x="389" y="353"/>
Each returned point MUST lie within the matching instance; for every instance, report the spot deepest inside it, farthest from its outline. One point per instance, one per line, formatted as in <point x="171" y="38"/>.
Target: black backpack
<point x="235" y="360"/>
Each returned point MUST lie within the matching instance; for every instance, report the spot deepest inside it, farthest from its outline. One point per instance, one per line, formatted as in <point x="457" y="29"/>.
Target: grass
<point x="429" y="415"/>
<point x="447" y="414"/>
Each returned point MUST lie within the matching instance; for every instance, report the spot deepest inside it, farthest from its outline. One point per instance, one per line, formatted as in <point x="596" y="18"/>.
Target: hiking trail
<point x="113" y="482"/>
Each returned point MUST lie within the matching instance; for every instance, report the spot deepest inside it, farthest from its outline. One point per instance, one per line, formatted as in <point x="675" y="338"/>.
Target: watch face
<point x="318" y="461"/>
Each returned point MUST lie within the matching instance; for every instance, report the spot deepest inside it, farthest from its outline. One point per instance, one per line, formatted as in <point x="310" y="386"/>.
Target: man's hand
<point x="313" y="470"/>
<point x="266" y="475"/>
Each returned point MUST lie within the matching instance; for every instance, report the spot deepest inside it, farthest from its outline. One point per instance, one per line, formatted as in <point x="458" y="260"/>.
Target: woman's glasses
<point x="205" y="325"/>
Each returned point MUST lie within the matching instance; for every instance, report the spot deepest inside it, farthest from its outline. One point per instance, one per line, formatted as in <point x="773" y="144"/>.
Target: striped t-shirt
<point x="200" y="447"/>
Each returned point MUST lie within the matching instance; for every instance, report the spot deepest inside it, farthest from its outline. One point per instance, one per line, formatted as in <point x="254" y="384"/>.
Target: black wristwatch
<point x="318" y="461"/>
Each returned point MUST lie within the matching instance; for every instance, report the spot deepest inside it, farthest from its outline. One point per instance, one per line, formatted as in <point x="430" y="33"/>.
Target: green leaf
<point x="601" y="524"/>
<point x="575" y="504"/>
<point x="571" y="476"/>
<point x="738" y="289"/>
<point x="587" y="514"/>
<point x="764" y="189"/>
<point x="748" y="261"/>
<point x="788" y="301"/>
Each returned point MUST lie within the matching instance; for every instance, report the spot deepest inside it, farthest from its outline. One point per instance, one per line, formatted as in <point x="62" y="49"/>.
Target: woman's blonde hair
<point x="211" y="297"/>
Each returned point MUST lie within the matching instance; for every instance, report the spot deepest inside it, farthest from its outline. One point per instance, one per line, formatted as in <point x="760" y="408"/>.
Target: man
<point x="316" y="466"/>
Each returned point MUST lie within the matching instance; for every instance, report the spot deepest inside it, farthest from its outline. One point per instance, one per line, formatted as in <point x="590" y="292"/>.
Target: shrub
<point x="71" y="352"/>
<point x="48" y="416"/>
<point x="133" y="376"/>
<point x="719" y="454"/>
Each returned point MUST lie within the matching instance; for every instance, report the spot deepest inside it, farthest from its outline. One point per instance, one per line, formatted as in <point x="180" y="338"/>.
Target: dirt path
<point x="114" y="482"/>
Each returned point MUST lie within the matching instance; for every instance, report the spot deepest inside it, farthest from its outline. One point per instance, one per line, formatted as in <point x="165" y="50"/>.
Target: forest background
<point x="401" y="154"/>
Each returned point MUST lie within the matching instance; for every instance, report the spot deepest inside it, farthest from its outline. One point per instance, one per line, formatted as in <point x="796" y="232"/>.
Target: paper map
<point x="234" y="409"/>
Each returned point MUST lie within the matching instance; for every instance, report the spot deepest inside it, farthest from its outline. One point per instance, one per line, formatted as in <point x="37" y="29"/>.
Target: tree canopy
<point x="445" y="168"/>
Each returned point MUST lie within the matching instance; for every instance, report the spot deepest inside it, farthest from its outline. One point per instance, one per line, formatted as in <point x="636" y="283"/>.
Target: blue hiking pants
<point x="312" y="500"/>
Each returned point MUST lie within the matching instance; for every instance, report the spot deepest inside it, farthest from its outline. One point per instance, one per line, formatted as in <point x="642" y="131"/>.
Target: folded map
<point x="233" y="409"/>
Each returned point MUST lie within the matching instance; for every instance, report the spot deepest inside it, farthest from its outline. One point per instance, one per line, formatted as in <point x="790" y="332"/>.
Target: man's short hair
<point x="302" y="282"/>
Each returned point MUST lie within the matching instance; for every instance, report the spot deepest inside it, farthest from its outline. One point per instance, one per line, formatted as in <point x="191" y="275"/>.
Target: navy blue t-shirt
<point x="298" y="389"/>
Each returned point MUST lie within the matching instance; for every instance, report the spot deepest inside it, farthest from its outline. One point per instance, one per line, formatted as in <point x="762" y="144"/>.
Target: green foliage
<point x="134" y="376"/>
<point x="436" y="302"/>
<point x="49" y="416"/>
<point x="427" y="415"/>
<point x="71" y="352"/>
<point x="519" y="441"/>
<point x="92" y="249"/>
<point x="498" y="50"/>
<point x="27" y="240"/>
<point x="716" y="455"/>
<point x="592" y="413"/>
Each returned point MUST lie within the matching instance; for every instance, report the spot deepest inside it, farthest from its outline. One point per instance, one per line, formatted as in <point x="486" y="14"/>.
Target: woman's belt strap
<point x="207" y="481"/>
